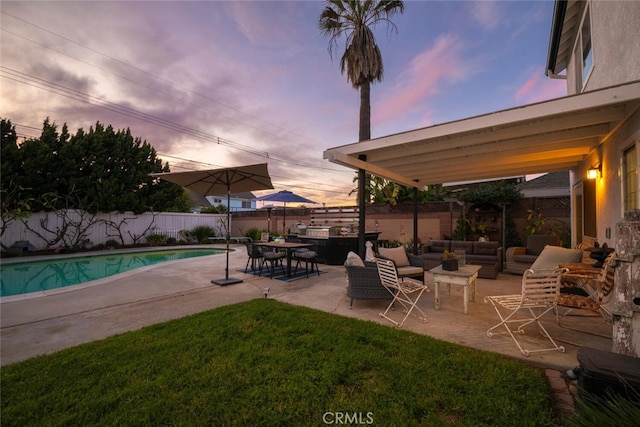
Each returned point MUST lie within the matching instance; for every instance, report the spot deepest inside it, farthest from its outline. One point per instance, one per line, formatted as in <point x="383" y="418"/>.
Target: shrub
<point x="611" y="409"/>
<point x="111" y="243"/>
<point x="202" y="233"/>
<point x="156" y="239"/>
<point x="254" y="233"/>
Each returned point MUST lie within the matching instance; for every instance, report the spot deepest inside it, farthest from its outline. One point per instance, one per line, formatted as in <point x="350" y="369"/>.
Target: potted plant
<point x="449" y="261"/>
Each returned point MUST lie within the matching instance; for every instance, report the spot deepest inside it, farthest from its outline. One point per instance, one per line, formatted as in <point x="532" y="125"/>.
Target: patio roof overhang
<point x="543" y="137"/>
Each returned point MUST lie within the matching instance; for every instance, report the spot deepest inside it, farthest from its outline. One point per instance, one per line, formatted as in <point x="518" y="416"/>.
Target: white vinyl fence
<point x="86" y="230"/>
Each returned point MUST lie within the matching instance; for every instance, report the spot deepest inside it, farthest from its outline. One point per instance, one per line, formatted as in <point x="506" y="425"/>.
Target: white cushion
<point x="397" y="255"/>
<point x="353" y="260"/>
<point x="551" y="256"/>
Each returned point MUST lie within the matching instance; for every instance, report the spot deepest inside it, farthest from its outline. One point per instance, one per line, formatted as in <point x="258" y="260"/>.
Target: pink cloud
<point x="422" y="78"/>
<point x="538" y="88"/>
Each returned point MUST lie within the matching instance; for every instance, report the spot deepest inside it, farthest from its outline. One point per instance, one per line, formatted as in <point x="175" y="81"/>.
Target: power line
<point x="42" y="84"/>
<point x="57" y="89"/>
<point x="198" y="94"/>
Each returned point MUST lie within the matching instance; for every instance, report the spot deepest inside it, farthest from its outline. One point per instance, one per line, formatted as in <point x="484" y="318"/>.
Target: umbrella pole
<point x="227" y="280"/>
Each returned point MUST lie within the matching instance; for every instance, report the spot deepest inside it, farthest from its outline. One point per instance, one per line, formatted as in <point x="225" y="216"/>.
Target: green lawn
<point x="268" y="363"/>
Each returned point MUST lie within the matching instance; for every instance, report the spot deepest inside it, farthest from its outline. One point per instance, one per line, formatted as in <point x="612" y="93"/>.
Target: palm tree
<point x="361" y="60"/>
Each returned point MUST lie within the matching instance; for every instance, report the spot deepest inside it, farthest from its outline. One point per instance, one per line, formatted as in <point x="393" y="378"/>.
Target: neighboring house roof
<point x="549" y="136"/>
<point x="197" y="199"/>
<point x="247" y="195"/>
<point x="548" y="185"/>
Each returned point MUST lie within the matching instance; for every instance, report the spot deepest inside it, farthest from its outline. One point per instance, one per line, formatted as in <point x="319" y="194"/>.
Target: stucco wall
<point x="616" y="43"/>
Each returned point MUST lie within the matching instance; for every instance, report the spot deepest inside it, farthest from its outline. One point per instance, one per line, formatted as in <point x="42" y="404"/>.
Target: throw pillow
<point x="397" y="255"/>
<point x="354" y="260"/>
<point x="551" y="256"/>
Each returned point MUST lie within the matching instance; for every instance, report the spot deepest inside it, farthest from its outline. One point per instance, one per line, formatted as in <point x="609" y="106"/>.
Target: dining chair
<point x="308" y="256"/>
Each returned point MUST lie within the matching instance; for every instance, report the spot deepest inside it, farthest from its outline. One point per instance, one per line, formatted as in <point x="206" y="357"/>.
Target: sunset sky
<point x="214" y="84"/>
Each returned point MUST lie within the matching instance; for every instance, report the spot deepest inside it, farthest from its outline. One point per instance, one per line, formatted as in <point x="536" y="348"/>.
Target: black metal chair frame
<point x="273" y="258"/>
<point x="255" y="254"/>
<point x="308" y="256"/>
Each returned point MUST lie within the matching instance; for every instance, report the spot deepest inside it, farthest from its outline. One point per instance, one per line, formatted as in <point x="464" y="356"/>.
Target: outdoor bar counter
<point x="332" y="247"/>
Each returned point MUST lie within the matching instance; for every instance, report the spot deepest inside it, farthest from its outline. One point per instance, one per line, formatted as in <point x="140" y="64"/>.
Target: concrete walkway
<point x="68" y="317"/>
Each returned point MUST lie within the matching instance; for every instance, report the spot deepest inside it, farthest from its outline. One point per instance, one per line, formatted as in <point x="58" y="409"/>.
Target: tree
<point x="16" y="205"/>
<point x="384" y="191"/>
<point x="361" y="60"/>
<point x="500" y="193"/>
<point x="105" y="170"/>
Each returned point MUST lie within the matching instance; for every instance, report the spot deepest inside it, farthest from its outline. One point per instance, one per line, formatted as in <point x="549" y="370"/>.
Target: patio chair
<point x="255" y="255"/>
<point x="405" y="290"/>
<point x="587" y="289"/>
<point x="308" y="256"/>
<point x="540" y="290"/>
<point x="273" y="259"/>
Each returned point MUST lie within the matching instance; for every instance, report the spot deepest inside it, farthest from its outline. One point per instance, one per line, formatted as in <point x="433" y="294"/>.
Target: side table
<point x="464" y="276"/>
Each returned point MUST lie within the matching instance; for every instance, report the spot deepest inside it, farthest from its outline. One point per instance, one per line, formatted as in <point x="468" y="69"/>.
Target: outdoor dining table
<point x="290" y="247"/>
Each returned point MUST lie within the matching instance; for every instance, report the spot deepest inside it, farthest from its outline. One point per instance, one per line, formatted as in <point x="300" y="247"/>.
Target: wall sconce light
<point x="594" y="172"/>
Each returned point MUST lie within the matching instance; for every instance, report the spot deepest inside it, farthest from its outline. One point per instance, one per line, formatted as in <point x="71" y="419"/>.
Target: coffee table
<point x="464" y="276"/>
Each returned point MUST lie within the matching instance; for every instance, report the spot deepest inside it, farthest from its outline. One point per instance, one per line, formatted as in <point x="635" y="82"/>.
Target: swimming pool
<point x="35" y="276"/>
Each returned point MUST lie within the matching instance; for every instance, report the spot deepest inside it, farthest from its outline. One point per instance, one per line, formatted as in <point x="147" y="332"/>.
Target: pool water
<point x="36" y="276"/>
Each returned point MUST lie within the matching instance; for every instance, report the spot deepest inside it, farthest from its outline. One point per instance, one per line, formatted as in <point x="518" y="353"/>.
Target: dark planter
<point x="450" y="264"/>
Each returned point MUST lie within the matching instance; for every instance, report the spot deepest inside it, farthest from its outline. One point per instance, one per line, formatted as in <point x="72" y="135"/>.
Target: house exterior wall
<point x="236" y="203"/>
<point x="615" y="44"/>
<point x="614" y="31"/>
<point x="616" y="60"/>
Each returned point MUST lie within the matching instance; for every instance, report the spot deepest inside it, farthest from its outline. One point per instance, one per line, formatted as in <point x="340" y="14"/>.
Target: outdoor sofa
<point x="488" y="255"/>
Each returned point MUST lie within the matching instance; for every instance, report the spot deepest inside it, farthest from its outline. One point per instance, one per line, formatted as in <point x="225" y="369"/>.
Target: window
<point x="583" y="52"/>
<point x="587" y="54"/>
<point x="630" y="179"/>
<point x="246" y="204"/>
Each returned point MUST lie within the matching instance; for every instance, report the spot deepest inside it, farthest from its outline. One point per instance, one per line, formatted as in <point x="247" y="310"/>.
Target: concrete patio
<point x="47" y="323"/>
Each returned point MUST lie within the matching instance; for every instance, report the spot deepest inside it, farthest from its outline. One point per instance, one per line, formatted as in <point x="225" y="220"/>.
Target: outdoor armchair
<point x="594" y="288"/>
<point x="363" y="281"/>
<point x="518" y="259"/>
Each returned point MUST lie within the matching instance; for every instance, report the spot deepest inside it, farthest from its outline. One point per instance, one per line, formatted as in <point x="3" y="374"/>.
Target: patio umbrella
<point x="219" y="181"/>
<point x="284" y="196"/>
